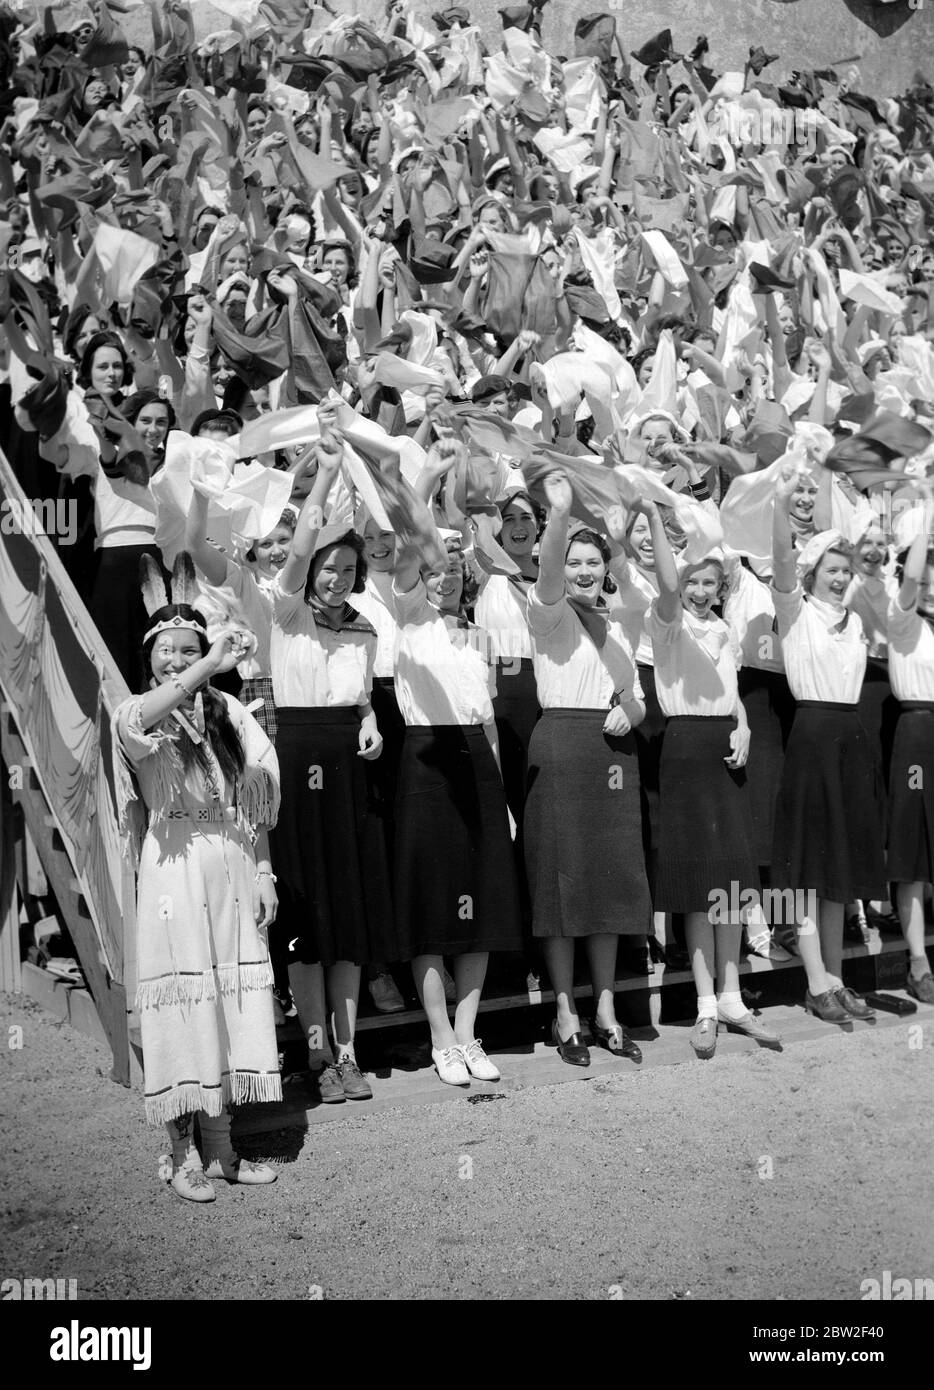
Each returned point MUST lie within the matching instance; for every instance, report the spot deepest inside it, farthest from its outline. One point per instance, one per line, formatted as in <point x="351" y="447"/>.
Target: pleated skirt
<point x="649" y="736"/>
<point x="328" y="846"/>
<point x="911" y="796"/>
<point x="828" y="819"/>
<point x="517" y="711"/>
<point x="706" y="838"/>
<point x="455" y="886"/>
<point x="770" y="710"/>
<point x="583" y="829"/>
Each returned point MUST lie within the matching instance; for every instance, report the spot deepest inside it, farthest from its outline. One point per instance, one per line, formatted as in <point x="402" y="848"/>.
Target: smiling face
<point x="445" y="587"/>
<point x="235" y="262"/>
<point x="871" y="552"/>
<point x="803" y="499"/>
<point x="335" y="570"/>
<point x="645" y="370"/>
<point x="379" y="547"/>
<point x="832" y="578"/>
<point x="351" y="190"/>
<point x="337" y="263"/>
<point x="256" y="123"/>
<point x="520" y="529"/>
<point x="173" y="652"/>
<point x="584" y="572"/>
<point x="106" y="371"/>
<point x="640" y="539"/>
<point x="272" y="551"/>
<point x="655" y="433"/>
<point x="700" y="589"/>
<point x="152" y="425"/>
<point x="926" y="591"/>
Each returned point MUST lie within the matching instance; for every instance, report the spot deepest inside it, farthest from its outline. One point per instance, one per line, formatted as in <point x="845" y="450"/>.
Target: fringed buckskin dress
<point x="204" y="981"/>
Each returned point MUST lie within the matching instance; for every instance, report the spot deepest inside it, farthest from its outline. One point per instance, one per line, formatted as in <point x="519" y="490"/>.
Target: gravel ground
<point x="649" y="1186"/>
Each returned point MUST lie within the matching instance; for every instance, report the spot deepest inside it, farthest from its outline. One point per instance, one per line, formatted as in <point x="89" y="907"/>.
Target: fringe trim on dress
<point x="258" y="798"/>
<point x="199" y="987"/>
<point x="236" y="1088"/>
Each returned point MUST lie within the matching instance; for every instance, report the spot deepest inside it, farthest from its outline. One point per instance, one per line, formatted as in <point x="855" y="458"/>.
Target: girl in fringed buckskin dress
<point x="192" y="760"/>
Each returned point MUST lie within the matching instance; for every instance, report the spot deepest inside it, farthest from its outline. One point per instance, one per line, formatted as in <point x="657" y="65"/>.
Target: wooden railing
<point x="60" y="687"/>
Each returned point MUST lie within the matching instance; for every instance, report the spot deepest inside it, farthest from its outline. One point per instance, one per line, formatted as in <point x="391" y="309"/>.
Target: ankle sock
<point x="706" y="1006"/>
<point x="731" y="1005"/>
<point x="919" y="967"/>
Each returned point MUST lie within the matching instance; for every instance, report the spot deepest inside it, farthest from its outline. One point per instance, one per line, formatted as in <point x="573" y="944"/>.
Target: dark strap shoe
<point x="855" y="1006"/>
<point x="574" y="1051"/>
<point x="617" y="1041"/>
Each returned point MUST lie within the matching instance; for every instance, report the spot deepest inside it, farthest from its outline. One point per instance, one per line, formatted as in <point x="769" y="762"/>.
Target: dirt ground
<point x="755" y="1176"/>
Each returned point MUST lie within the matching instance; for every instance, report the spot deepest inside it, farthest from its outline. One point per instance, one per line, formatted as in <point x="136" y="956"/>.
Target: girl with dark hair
<point x="80" y="327"/>
<point x="98" y="442"/>
<point x="583" y="818"/>
<point x="153" y="417"/>
<point x="705" y="841"/>
<point x="455" y="881"/>
<point x="828" y="840"/>
<point x="197" y="788"/>
<point x="329" y="848"/>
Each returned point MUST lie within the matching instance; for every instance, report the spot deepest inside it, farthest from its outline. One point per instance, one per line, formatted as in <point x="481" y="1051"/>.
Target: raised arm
<point x="666" y="574"/>
<point x="210" y="561"/>
<point x="784" y="578"/>
<point x="916" y="559"/>
<point x="550" y="585"/>
<point x="330" y="452"/>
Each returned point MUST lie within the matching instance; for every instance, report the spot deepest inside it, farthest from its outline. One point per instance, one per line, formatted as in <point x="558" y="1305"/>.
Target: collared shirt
<point x="443" y="676"/>
<point x="502" y="612"/>
<point x="749" y="613"/>
<point x="571" y="672"/>
<point x="313" y="664"/>
<point x="824" y="647"/>
<point x="911" y="653"/>
<point x="637" y="591"/>
<point x="695" y="664"/>
<point x="375" y="604"/>
<point x="870" y="598"/>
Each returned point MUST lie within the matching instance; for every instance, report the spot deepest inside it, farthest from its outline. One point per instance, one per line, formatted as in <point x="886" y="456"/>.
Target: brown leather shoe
<point x="826" y="1006"/>
<point x="574" y="1051"/>
<point x="855" y="1006"/>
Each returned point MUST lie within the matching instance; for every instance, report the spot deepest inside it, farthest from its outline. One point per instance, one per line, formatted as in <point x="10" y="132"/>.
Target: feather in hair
<point x="152" y="584"/>
<point x="184" y="580"/>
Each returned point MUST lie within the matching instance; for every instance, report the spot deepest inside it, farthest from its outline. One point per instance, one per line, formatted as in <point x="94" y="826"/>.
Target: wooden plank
<point x="110" y="1000"/>
<point x="10" y="965"/>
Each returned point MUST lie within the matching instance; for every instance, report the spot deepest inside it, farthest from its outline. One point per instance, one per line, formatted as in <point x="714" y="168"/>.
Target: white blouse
<point x="695" y="665"/>
<point x="911" y="653"/>
<point x="870" y="598"/>
<point x="502" y="612"/>
<point x="637" y="592"/>
<point x="313" y="665"/>
<point x="375" y="604"/>
<point x="124" y="512"/>
<point x="248" y="597"/>
<point x="749" y="613"/>
<point x="571" y="672"/>
<point x="443" y="675"/>
<point x="825" y="656"/>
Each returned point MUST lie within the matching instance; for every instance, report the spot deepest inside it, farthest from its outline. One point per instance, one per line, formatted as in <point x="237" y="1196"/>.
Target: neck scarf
<point x="594" y="619"/>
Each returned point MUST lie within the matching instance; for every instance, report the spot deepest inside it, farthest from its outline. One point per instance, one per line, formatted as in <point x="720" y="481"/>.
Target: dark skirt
<point x="706" y="838"/>
<point x="583" y="829"/>
<point x="770" y="710"/>
<point x="328" y="846"/>
<point x="116" y="605"/>
<point x="649" y="735"/>
<point x="911" y="796"/>
<point x="383" y="774"/>
<point x="828" y="818"/>
<point x="455" y="879"/>
<point x="517" y="712"/>
<point x="878" y="713"/>
<point x="260" y="688"/>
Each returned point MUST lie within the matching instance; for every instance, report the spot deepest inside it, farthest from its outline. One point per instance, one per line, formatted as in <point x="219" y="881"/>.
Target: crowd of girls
<point x="541" y="451"/>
